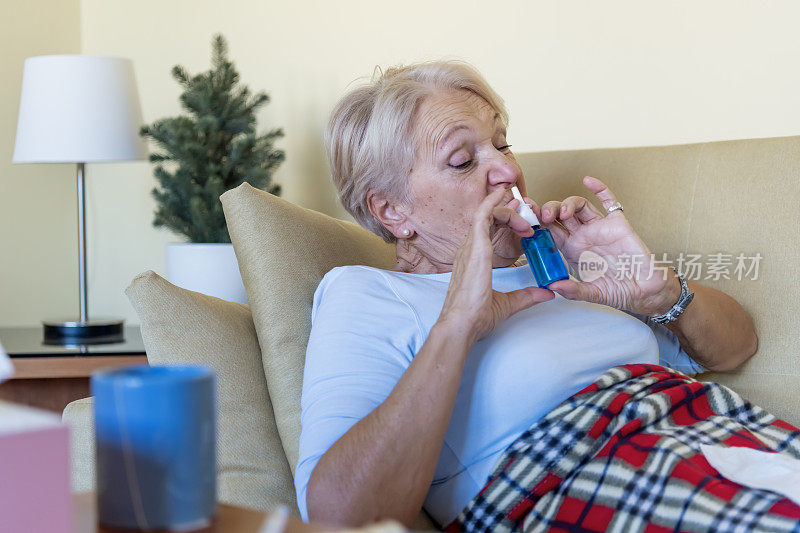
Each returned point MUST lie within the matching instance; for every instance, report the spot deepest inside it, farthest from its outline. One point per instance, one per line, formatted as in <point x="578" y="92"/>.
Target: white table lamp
<point x="79" y="109"/>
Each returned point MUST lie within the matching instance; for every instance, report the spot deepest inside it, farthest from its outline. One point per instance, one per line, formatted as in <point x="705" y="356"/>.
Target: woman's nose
<point x="501" y="171"/>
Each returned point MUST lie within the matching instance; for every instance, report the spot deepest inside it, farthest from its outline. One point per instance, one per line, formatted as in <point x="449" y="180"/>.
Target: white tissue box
<point x="34" y="461"/>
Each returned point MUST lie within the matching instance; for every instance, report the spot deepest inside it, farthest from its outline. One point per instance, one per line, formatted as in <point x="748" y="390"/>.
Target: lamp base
<point x="75" y="332"/>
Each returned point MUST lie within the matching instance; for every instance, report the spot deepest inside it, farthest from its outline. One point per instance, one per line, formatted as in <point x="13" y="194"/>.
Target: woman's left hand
<point x="577" y="227"/>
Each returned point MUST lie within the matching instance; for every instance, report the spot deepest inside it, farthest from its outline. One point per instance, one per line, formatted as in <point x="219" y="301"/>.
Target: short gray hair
<point x="369" y="138"/>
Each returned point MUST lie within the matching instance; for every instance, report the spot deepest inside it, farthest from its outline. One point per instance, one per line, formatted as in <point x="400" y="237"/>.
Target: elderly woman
<point x="417" y="379"/>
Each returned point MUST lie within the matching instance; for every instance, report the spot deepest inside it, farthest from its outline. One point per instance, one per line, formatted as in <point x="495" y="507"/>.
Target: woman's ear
<point x="391" y="214"/>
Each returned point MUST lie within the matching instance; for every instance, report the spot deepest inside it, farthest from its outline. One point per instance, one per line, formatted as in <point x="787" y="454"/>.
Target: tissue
<point x="777" y="472"/>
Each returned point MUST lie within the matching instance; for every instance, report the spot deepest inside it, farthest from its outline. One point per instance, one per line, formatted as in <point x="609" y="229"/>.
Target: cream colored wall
<point x="575" y="74"/>
<point x="38" y="224"/>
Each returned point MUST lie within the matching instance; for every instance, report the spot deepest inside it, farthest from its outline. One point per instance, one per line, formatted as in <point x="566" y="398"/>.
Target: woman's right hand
<point x="471" y="305"/>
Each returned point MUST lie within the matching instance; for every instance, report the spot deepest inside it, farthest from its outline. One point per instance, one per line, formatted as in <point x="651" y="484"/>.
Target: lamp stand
<point x="83" y="330"/>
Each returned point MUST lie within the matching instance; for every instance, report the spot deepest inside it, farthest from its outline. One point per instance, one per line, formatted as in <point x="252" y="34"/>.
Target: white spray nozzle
<point x="524" y="209"/>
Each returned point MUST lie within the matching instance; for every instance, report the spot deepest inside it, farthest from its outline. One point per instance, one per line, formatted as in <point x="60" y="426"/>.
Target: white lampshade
<point x="78" y="109"/>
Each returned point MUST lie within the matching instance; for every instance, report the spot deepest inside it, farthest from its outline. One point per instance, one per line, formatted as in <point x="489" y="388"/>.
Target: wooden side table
<point x="50" y="377"/>
<point x="229" y="519"/>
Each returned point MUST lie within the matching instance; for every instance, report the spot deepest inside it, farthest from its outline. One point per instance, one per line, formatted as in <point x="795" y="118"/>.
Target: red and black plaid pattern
<point x="624" y="455"/>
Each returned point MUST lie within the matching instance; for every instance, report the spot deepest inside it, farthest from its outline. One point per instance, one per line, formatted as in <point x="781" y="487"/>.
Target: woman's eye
<point x="504" y="148"/>
<point x="463" y="165"/>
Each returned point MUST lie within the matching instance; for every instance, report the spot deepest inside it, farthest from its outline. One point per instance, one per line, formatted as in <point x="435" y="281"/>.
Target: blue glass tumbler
<point x="543" y="257"/>
<point x="155" y="429"/>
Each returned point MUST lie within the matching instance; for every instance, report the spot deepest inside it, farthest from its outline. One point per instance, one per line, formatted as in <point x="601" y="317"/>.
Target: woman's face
<point x="462" y="156"/>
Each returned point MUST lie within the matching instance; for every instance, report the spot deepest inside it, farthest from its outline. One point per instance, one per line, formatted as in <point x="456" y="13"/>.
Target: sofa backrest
<point x="732" y="197"/>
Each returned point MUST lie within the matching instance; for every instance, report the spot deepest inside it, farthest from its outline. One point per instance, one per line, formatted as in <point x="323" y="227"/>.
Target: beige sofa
<point x="724" y="197"/>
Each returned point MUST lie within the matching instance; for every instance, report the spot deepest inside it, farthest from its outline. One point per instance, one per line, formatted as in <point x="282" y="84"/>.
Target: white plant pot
<point x="208" y="268"/>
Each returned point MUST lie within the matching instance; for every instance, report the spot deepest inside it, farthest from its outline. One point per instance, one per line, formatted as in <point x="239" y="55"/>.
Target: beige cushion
<point x="284" y="251"/>
<point x="79" y="416"/>
<point x="180" y="326"/>
<point x="729" y="197"/>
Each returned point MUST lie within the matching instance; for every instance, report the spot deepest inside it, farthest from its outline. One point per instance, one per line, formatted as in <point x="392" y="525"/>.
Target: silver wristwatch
<point x="677" y="309"/>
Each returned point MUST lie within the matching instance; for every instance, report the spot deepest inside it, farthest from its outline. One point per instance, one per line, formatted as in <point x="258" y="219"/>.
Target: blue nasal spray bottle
<point x="540" y="248"/>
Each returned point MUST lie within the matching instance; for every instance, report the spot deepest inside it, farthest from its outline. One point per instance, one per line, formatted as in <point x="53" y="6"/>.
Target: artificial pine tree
<point x="213" y="149"/>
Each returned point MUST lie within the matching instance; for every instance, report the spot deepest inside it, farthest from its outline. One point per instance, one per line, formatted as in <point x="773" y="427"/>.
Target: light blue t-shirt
<point x="368" y="324"/>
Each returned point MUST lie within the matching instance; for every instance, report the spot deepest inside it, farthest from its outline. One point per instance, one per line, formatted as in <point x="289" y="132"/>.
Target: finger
<point x="601" y="190"/>
<point x="492" y="199"/>
<point x="496" y="195"/>
<point x="549" y="219"/>
<point x="505" y="216"/>
<point x="565" y="214"/>
<point x="580" y="209"/>
<point x="572" y="290"/>
<point x="528" y="297"/>
<point x="483" y="217"/>
<point x="550" y="211"/>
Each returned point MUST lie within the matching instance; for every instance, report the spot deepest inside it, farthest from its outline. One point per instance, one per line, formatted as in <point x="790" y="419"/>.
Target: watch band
<point x="680" y="306"/>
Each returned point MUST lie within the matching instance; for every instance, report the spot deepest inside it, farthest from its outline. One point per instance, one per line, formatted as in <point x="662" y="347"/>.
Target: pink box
<point x="34" y="471"/>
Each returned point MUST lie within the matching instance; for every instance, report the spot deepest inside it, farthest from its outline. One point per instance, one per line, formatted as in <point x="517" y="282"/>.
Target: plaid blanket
<point x="624" y="455"/>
